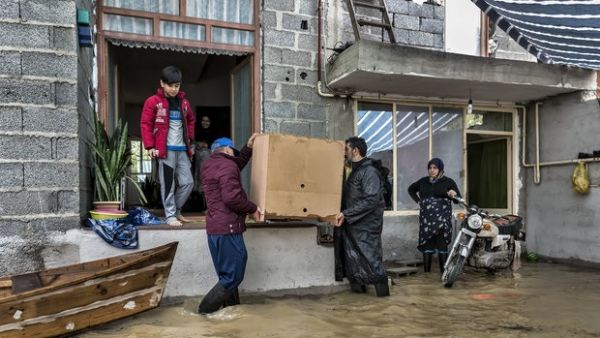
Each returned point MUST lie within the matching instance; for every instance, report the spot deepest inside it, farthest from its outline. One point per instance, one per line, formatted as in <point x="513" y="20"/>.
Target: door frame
<point x="511" y="151"/>
<point x="248" y="60"/>
<point x="103" y="44"/>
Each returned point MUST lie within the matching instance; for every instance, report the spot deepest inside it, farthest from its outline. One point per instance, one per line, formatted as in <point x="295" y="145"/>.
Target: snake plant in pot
<point x="112" y="158"/>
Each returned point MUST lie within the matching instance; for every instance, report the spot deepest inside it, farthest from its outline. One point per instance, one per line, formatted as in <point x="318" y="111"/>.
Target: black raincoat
<point x="358" y="248"/>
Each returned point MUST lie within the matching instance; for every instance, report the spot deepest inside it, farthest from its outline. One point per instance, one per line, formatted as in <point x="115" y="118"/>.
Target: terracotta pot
<point x="107" y="205"/>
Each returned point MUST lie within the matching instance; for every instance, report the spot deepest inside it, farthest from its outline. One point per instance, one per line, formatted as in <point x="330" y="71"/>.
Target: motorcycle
<point x="485" y="240"/>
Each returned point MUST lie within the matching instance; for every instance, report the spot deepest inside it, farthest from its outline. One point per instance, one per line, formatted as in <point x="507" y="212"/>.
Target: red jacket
<point x="154" y="122"/>
<point x="226" y="201"/>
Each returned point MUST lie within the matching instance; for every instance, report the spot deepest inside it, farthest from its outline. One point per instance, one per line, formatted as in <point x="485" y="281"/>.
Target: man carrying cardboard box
<point x="359" y="225"/>
<point x="227" y="208"/>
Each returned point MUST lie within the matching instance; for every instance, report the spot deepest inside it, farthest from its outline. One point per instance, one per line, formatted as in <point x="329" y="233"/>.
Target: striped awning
<point x="376" y="127"/>
<point x="554" y="31"/>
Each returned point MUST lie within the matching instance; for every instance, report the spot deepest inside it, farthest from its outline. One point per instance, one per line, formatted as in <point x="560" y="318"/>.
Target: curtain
<point x="242" y="112"/>
<point x="182" y="30"/>
<point x="155" y="6"/>
<point x="488" y="174"/>
<point x="127" y="24"/>
<point x="238" y="11"/>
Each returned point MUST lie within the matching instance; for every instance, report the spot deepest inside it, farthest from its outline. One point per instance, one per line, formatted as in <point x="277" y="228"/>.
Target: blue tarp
<point x="554" y="31"/>
<point x="122" y="233"/>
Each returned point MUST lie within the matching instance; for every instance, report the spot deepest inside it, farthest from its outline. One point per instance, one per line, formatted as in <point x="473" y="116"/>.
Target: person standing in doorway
<point x="433" y="194"/>
<point x="227" y="208"/>
<point x="358" y="240"/>
<point x="206" y="132"/>
<point x="167" y="126"/>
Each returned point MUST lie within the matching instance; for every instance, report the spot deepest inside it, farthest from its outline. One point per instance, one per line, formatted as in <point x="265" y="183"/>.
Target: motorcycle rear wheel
<point x="455" y="266"/>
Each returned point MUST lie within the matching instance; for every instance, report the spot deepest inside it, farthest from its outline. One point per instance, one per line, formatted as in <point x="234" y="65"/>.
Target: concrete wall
<point x="560" y="222"/>
<point x="40" y="173"/>
<point x="463" y="27"/>
<point x="278" y="258"/>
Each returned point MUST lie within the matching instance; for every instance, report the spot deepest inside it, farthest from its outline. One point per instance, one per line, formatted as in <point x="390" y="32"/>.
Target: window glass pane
<point x="182" y="30"/>
<point x="232" y="36"/>
<point x="238" y="11"/>
<point x="496" y="121"/>
<point x="155" y="6"/>
<point x="375" y="125"/>
<point x="412" y="147"/>
<point x="127" y="24"/>
<point x="447" y="142"/>
<point x="136" y="157"/>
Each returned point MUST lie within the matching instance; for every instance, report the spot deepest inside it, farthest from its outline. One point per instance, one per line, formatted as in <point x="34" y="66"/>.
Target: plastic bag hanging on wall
<point x="581" y="178"/>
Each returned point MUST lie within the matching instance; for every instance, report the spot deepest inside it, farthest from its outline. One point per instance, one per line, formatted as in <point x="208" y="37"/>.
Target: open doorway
<point x="134" y="75"/>
<point x="489" y="171"/>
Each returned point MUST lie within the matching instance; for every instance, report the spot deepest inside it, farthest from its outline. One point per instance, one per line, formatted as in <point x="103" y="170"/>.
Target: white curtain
<point x="155" y="6"/>
<point x="182" y="31"/>
<point x="127" y="24"/>
<point x="239" y="11"/>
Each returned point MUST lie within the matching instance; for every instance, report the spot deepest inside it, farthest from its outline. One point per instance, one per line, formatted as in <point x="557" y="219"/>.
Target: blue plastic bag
<point x="141" y="216"/>
<point x="116" y="232"/>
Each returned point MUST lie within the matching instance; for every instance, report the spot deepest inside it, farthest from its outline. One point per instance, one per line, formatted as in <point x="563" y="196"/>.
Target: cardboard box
<point x="297" y="177"/>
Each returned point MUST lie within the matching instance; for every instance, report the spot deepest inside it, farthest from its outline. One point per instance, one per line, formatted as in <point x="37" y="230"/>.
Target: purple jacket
<point x="227" y="203"/>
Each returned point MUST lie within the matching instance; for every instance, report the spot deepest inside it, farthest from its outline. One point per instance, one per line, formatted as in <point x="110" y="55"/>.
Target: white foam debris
<point x="18" y="314"/>
<point x="130" y="305"/>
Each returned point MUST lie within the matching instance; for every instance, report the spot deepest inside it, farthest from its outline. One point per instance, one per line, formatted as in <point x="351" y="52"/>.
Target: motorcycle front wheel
<point x="455" y="266"/>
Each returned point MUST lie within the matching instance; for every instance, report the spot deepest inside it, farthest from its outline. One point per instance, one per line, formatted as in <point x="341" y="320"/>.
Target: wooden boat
<point x="61" y="301"/>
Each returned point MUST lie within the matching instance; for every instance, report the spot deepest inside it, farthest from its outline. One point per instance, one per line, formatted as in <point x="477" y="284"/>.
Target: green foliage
<point x="112" y="159"/>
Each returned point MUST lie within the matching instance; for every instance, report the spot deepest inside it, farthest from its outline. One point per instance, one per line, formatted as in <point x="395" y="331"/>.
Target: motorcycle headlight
<point x="475" y="222"/>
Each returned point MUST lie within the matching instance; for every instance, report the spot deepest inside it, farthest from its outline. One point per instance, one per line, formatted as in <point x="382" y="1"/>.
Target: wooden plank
<point x="362" y="22"/>
<point x="5" y="283"/>
<point x="408" y="262"/>
<point x="84" y="318"/>
<point x="368" y="5"/>
<point x="81" y="295"/>
<point x="401" y="271"/>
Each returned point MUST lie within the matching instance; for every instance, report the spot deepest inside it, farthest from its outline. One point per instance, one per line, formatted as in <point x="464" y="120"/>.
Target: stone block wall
<point x="289" y="31"/>
<point x="414" y="24"/>
<point x="39" y="127"/>
<point x="291" y="104"/>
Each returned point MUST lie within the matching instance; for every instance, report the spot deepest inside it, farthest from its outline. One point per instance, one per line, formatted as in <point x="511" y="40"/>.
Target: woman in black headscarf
<point x="433" y="194"/>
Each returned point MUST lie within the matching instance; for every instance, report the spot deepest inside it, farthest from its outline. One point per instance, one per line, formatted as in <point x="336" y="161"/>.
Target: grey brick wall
<point x="290" y="101"/>
<point x="289" y="59"/>
<point x="44" y="111"/>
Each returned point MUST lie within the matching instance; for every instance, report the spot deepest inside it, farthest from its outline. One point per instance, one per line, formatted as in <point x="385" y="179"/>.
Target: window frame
<point x="142" y="154"/>
<point x="512" y="155"/>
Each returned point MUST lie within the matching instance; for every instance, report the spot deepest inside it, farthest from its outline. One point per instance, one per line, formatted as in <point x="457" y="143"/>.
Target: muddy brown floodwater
<point x="539" y="300"/>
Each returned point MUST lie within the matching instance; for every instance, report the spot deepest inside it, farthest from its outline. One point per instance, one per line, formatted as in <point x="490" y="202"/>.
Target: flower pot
<point x="107" y="205"/>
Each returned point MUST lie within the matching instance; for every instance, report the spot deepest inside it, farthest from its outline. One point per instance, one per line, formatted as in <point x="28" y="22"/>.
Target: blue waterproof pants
<point x="229" y="257"/>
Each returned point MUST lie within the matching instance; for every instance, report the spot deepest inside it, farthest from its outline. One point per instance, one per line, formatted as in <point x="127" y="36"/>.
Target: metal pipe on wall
<point x="538" y="164"/>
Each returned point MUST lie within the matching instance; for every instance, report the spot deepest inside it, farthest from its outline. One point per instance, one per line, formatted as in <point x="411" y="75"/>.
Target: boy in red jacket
<point x="167" y="126"/>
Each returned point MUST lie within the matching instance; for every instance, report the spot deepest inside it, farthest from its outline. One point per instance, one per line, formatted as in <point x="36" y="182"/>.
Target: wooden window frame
<point x="103" y="45"/>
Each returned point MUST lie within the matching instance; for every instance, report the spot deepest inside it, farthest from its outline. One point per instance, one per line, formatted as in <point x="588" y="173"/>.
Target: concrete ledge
<point x="278" y="259"/>
<point x="376" y="67"/>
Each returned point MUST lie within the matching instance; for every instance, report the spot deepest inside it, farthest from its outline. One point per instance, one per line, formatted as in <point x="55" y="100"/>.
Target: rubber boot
<point x="427" y="262"/>
<point x="358" y="288"/>
<point x="234" y="298"/>
<point x="442" y="257"/>
<point x="213" y="300"/>
<point x="382" y="289"/>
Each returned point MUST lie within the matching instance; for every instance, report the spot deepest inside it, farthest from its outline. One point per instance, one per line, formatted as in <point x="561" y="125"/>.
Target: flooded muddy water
<point x="539" y="300"/>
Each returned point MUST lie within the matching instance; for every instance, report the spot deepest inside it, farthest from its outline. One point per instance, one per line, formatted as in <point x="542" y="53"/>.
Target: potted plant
<point x="111" y="162"/>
